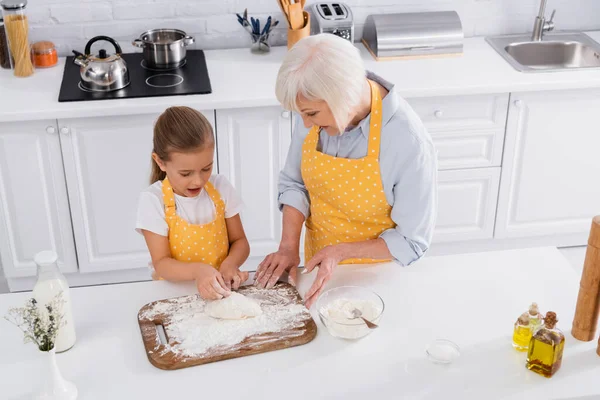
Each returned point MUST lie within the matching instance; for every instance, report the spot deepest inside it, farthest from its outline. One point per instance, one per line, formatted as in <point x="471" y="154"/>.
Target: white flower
<point x="40" y="324"/>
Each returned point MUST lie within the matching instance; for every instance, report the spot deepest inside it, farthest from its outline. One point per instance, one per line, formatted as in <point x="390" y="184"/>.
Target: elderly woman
<point x="361" y="173"/>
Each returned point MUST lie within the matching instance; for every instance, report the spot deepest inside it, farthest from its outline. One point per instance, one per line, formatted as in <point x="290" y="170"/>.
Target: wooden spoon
<point x="296" y="16"/>
<point x="284" y="9"/>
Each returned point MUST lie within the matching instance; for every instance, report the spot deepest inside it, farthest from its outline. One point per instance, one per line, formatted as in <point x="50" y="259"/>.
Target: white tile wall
<point x="71" y="23"/>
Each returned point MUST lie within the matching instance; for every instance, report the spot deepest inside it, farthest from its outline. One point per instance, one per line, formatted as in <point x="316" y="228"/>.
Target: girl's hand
<point x="274" y="265"/>
<point x="326" y="259"/>
<point x="232" y="276"/>
<point x="210" y="283"/>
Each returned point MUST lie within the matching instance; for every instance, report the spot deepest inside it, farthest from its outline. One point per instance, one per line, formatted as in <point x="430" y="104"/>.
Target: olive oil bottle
<point x="546" y="348"/>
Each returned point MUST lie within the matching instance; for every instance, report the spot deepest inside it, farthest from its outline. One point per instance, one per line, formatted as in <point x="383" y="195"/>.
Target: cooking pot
<point x="164" y="48"/>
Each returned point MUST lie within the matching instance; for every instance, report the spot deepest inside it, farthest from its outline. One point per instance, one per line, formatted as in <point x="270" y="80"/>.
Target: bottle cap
<point x="550" y="320"/>
<point x="533" y="309"/>
<point x="523" y="319"/>
<point x="44" y="258"/>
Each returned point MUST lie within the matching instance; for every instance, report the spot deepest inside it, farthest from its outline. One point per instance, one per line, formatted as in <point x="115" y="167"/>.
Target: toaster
<point x="335" y="18"/>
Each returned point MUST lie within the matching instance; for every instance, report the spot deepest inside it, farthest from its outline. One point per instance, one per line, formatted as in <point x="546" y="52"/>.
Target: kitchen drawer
<point x="449" y="113"/>
<point x="467" y="204"/>
<point x="468" y="131"/>
<point x="468" y="149"/>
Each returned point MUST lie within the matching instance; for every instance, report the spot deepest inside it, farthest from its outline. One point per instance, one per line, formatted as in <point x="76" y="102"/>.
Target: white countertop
<point x="471" y="299"/>
<point x="241" y="79"/>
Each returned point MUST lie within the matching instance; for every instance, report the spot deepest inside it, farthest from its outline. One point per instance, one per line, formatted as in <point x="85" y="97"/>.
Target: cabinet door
<point x="34" y="210"/>
<point x="252" y="147"/>
<point x="551" y="169"/>
<point x="467" y="204"/>
<point x="107" y="164"/>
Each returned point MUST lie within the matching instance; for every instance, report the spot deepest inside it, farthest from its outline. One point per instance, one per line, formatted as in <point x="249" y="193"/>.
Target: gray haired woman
<point x="360" y="174"/>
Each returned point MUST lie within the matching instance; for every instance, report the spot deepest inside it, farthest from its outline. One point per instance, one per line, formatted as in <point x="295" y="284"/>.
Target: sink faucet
<point x="541" y="25"/>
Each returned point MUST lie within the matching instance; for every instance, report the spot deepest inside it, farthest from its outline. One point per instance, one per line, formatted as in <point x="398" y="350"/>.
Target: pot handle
<point x="88" y="46"/>
<point x="138" y="43"/>
<point x="188" y="40"/>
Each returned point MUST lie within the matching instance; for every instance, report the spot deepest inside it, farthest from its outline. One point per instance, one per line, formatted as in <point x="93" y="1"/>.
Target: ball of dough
<point x="236" y="306"/>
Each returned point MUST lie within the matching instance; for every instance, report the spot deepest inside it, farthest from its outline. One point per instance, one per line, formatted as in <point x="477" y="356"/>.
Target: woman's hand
<point x="232" y="276"/>
<point x="275" y="264"/>
<point x="326" y="259"/>
<point x="210" y="283"/>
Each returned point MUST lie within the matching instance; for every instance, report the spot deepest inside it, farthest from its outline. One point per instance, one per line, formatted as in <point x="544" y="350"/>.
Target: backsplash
<point x="71" y="23"/>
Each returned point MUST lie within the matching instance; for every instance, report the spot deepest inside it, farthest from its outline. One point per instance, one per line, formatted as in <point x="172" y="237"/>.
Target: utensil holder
<point x="260" y="44"/>
<point x="294" y="35"/>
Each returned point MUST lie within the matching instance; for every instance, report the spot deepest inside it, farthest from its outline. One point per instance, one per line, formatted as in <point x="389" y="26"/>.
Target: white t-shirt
<point x="195" y="210"/>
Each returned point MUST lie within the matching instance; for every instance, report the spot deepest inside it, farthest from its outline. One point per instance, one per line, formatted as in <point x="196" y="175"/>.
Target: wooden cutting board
<point x="177" y="334"/>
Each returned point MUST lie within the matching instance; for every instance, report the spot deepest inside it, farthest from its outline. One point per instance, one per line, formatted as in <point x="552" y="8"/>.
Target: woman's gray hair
<point x="323" y="67"/>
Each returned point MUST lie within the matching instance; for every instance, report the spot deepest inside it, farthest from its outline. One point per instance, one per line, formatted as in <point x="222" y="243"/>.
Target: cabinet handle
<point x="65" y="130"/>
<point x="518" y="103"/>
<point x="285" y="114"/>
<point x="51" y="130"/>
<point x="438" y="113"/>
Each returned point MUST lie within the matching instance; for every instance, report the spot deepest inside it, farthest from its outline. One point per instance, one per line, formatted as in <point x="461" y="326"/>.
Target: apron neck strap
<point x="168" y="197"/>
<point x="376" y="118"/>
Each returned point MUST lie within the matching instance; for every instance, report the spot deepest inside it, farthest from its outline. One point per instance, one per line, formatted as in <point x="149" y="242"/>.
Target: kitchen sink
<point x="555" y="52"/>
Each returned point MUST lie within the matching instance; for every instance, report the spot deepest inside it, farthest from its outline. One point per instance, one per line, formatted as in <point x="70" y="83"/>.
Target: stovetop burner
<point x="164" y="80"/>
<point x="190" y="78"/>
<point x="84" y="89"/>
<point x="143" y="65"/>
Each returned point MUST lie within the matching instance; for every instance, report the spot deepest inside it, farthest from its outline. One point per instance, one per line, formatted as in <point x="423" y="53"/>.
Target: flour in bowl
<point x="338" y="317"/>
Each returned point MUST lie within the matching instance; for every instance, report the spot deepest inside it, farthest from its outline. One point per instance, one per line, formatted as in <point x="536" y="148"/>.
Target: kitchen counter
<point x="241" y="79"/>
<point x="471" y="299"/>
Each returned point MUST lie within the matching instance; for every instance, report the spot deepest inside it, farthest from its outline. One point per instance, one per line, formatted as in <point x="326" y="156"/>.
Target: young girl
<point x="190" y="218"/>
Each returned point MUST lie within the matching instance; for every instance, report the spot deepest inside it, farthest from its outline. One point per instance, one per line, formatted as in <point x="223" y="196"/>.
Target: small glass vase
<point x="54" y="386"/>
<point x="260" y="44"/>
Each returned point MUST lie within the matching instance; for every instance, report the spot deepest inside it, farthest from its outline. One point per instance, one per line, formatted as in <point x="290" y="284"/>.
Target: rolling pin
<point x="588" y="300"/>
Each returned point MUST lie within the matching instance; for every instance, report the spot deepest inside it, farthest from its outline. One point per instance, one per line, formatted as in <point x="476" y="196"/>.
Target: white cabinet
<point x="252" y="146"/>
<point x="468" y="131"/>
<point x="467" y="204"/>
<point x="34" y="210"/>
<point x="107" y="165"/>
<point x="551" y="170"/>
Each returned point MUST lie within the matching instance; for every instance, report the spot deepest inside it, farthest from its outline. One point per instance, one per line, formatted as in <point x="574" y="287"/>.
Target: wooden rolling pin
<point x="588" y="301"/>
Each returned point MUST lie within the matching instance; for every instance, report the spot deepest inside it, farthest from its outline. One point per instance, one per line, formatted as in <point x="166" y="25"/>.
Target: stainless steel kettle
<point x="102" y="72"/>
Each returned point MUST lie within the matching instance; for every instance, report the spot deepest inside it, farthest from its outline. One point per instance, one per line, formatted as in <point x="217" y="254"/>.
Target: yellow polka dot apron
<point x="206" y="243"/>
<point x="347" y="201"/>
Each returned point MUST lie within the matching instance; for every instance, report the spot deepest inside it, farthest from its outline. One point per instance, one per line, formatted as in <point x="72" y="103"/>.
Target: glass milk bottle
<point x="50" y="282"/>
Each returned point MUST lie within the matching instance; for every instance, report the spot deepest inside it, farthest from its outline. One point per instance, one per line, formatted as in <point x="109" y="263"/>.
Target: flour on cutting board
<point x="234" y="306"/>
<point x="192" y="332"/>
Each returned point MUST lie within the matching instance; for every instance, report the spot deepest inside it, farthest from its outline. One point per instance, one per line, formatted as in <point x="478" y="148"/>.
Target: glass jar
<point x="44" y="54"/>
<point x="4" y="52"/>
<point x="16" y="25"/>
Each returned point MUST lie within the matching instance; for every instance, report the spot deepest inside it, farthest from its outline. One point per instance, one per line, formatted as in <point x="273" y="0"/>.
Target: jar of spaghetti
<point x="44" y="54"/>
<point x="16" y="25"/>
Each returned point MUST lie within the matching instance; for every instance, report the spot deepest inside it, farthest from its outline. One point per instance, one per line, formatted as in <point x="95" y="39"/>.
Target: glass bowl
<point x="335" y="311"/>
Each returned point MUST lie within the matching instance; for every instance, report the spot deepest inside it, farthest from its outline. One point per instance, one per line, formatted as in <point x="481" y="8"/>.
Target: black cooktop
<point x="190" y="78"/>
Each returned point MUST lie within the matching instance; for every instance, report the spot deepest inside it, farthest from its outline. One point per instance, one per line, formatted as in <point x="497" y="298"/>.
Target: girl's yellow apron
<point x="347" y="201"/>
<point x="207" y="243"/>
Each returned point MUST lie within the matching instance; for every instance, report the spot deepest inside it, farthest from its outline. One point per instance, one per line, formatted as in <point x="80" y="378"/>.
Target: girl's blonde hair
<point x="323" y="67"/>
<point x="179" y="129"/>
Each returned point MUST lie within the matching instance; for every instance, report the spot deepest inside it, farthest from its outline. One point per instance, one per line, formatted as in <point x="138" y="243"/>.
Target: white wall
<point x="71" y="23"/>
